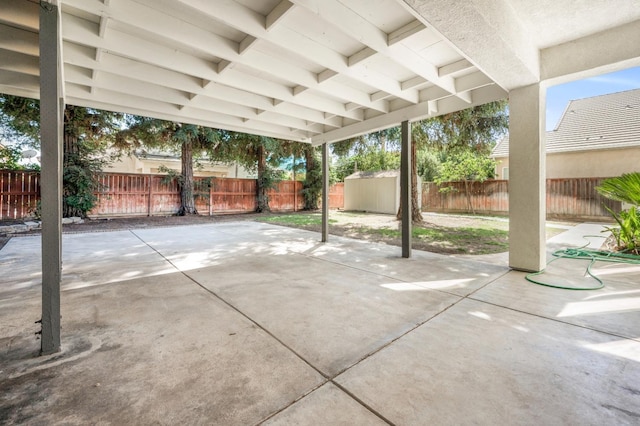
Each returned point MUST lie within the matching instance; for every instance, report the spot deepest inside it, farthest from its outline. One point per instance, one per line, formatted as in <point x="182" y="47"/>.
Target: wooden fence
<point x="19" y="193"/>
<point x="154" y="195"/>
<point x="148" y="195"/>
<point x="151" y="195"/>
<point x="566" y="198"/>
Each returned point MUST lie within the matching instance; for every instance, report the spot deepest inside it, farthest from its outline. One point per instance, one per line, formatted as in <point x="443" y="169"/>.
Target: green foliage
<point x="429" y="164"/>
<point x="312" y="186"/>
<point x="80" y="170"/>
<point x="476" y="128"/>
<point x="627" y="234"/>
<point x="87" y="133"/>
<point x="625" y="188"/>
<point x="10" y="157"/>
<point x="466" y="166"/>
<point x="367" y="160"/>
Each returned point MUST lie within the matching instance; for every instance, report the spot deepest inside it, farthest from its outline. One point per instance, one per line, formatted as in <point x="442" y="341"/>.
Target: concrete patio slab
<point x="612" y="309"/>
<point x="88" y="259"/>
<point x="151" y="350"/>
<point x="482" y="364"/>
<point x="327" y="405"/>
<point x="331" y="319"/>
<point x="242" y="323"/>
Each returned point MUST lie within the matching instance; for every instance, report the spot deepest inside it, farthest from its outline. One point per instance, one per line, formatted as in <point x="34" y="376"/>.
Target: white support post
<point x="527" y="180"/>
<point x="325" y="192"/>
<point x="405" y="188"/>
<point x="51" y="107"/>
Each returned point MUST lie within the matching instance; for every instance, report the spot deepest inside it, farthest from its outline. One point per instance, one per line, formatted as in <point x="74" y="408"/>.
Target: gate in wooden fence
<point x="19" y="193"/>
<point x="568" y="198"/>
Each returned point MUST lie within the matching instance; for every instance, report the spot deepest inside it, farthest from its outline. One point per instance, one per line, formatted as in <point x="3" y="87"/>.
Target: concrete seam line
<point x="608" y="333"/>
<point x="361" y="402"/>
<point x="257" y="324"/>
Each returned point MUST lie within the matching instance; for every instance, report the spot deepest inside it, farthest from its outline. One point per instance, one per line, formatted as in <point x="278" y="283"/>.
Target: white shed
<point x="376" y="192"/>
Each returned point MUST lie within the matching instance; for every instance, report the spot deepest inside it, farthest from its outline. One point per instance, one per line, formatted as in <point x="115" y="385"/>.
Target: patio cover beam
<point x="51" y="106"/>
<point x="405" y="187"/>
<point x="325" y="192"/>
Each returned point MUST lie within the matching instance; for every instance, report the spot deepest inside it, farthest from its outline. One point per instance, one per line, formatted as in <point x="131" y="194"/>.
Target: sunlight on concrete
<point x="620" y="304"/>
<point x="428" y="285"/>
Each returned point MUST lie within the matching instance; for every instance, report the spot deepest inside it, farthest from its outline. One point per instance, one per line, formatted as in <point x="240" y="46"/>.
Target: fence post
<point x="150" y="177"/>
<point x="211" y="183"/>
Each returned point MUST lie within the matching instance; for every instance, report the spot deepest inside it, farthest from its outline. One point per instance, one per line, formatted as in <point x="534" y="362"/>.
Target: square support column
<point x="325" y="192"/>
<point x="405" y="188"/>
<point x="527" y="178"/>
<point x="51" y="106"/>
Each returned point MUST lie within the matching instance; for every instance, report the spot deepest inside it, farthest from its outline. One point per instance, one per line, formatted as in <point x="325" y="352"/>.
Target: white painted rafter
<point x="285" y="68"/>
<point x="376" y="39"/>
<point x="253" y="23"/>
<point x="160" y="56"/>
<point x="156" y="23"/>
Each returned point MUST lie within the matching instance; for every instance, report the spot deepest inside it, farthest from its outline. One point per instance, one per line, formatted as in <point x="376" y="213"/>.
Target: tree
<point x="190" y="139"/>
<point x="471" y="130"/>
<point x="371" y="152"/>
<point x="467" y="167"/>
<point x="312" y="187"/>
<point x="259" y="153"/>
<point x="10" y="157"/>
<point x="87" y="134"/>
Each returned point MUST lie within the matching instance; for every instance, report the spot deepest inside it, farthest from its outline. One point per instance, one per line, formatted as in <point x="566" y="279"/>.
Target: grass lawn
<point x="440" y="235"/>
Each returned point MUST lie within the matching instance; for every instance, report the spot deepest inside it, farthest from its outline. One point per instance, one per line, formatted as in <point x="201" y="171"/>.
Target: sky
<point x="559" y="96"/>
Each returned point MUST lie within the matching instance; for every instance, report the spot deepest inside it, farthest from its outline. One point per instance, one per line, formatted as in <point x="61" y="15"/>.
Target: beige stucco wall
<point x="603" y="163"/>
<point x="133" y="164"/>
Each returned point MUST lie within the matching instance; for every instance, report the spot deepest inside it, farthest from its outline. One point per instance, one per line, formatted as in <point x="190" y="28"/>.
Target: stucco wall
<point x="133" y="164"/>
<point x="605" y="163"/>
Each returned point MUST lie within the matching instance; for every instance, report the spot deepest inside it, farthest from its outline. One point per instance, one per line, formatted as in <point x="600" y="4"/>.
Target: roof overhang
<point x="311" y="70"/>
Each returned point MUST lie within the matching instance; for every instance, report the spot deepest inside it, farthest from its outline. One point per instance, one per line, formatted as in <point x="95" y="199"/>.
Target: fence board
<point x="19" y="193"/>
<point x="565" y="198"/>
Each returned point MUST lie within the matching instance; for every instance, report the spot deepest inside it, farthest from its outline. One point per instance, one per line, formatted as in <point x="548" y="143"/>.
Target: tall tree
<point x="87" y="134"/>
<point x="189" y="139"/>
<point x="466" y="167"/>
<point x="312" y="188"/>
<point x="260" y="153"/>
<point x="473" y="129"/>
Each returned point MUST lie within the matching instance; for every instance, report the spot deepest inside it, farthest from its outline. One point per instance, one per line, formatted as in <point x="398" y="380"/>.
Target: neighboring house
<point x="153" y="162"/>
<point x="595" y="137"/>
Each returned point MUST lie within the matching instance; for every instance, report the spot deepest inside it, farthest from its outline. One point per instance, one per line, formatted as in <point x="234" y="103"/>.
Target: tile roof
<point x="601" y="122"/>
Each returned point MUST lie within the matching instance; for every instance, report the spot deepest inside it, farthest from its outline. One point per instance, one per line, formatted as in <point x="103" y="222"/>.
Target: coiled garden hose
<point x="583" y="253"/>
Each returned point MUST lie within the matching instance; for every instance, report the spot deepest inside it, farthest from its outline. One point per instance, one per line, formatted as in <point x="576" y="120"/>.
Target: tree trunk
<point x="416" y="214"/>
<point x="187" y="201"/>
<point x="313" y="180"/>
<point x="467" y="191"/>
<point x="262" y="186"/>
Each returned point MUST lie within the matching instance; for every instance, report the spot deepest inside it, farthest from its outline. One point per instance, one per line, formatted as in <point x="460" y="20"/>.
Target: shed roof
<point x="600" y="122"/>
<point x="374" y="175"/>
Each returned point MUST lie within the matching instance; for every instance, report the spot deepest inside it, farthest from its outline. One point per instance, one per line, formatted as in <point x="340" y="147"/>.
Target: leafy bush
<point x="625" y="188"/>
<point x="627" y="235"/>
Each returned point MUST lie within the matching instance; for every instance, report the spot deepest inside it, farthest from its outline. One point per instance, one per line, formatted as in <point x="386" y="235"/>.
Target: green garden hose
<point x="583" y="253"/>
